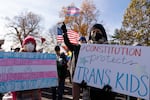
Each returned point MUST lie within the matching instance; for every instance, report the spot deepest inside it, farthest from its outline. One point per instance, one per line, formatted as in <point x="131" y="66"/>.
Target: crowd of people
<point x="97" y="35"/>
<point x="66" y="65"/>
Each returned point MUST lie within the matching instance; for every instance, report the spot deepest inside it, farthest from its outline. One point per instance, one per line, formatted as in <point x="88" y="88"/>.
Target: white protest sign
<point x="125" y="68"/>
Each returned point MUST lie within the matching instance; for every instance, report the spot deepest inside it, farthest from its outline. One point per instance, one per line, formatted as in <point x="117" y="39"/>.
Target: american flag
<point x="60" y="38"/>
<point x="73" y="11"/>
<point x="72" y="35"/>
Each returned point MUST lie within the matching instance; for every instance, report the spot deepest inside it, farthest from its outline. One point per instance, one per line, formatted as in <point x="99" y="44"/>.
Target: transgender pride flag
<point x="73" y="11"/>
<point x="25" y="71"/>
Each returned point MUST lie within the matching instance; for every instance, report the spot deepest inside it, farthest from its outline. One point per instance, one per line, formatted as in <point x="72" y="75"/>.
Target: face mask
<point x="29" y="47"/>
<point x="97" y="38"/>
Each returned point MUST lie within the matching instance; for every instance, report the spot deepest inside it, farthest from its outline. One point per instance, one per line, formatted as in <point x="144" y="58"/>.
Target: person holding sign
<point x="98" y="36"/>
<point x="28" y="45"/>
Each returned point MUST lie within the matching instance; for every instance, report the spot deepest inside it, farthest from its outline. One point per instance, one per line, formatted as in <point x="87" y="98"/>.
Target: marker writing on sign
<point x="97" y="76"/>
<point x="113" y="50"/>
<point x="132" y="83"/>
<point x="108" y="59"/>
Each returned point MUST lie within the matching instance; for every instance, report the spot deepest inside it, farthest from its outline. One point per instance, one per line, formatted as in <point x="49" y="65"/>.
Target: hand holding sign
<point x="122" y="67"/>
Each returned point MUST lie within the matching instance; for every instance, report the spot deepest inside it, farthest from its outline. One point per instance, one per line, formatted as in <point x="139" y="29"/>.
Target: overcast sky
<point x="111" y="11"/>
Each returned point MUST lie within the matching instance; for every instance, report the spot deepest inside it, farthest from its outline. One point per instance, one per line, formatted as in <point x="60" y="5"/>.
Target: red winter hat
<point x="29" y="39"/>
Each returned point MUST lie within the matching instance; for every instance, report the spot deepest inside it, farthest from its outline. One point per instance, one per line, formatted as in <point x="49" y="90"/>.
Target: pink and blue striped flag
<point x="73" y="11"/>
<point x="25" y="71"/>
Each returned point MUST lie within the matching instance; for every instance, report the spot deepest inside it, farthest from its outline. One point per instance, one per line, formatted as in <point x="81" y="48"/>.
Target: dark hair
<point x="82" y="38"/>
<point x="99" y="26"/>
<point x="57" y="48"/>
<point x="17" y="49"/>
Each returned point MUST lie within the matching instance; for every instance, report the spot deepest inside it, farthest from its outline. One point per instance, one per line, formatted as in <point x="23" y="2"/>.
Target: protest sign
<point x="125" y="68"/>
<point x="25" y="71"/>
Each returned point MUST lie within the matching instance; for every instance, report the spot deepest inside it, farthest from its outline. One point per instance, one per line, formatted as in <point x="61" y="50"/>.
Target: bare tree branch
<point x="24" y="24"/>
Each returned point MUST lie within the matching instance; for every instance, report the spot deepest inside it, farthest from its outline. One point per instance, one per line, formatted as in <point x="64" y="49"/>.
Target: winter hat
<point x="29" y="39"/>
<point x="82" y="38"/>
<point x="100" y="27"/>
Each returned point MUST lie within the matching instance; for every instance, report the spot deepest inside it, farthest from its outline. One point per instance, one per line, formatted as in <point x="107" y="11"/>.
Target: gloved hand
<point x="107" y="88"/>
<point x="83" y="84"/>
<point x="63" y="27"/>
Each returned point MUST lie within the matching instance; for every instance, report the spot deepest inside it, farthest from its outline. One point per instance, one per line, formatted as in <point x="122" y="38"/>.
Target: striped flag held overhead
<point x="72" y="35"/>
<point x="73" y="11"/>
<point x="60" y="38"/>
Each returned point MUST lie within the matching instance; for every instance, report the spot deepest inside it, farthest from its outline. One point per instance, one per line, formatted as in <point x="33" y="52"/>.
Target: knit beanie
<point x="29" y="39"/>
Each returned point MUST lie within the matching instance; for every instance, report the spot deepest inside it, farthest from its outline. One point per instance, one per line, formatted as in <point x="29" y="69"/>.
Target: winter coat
<point x="75" y="51"/>
<point x="62" y="66"/>
<point x="101" y="94"/>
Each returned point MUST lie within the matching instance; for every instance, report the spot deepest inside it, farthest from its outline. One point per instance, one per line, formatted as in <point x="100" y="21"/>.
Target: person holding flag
<point x="72" y="35"/>
<point x="74" y="48"/>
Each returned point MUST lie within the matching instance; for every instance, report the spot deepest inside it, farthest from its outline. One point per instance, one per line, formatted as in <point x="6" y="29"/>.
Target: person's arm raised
<point x="66" y="39"/>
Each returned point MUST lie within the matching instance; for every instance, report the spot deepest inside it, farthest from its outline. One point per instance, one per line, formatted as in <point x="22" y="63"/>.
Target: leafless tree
<point x="24" y="24"/>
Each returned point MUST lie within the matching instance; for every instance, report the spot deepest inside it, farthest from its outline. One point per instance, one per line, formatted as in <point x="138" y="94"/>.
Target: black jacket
<point x="101" y="94"/>
<point x="62" y="66"/>
<point x="95" y="93"/>
<point x="72" y="47"/>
